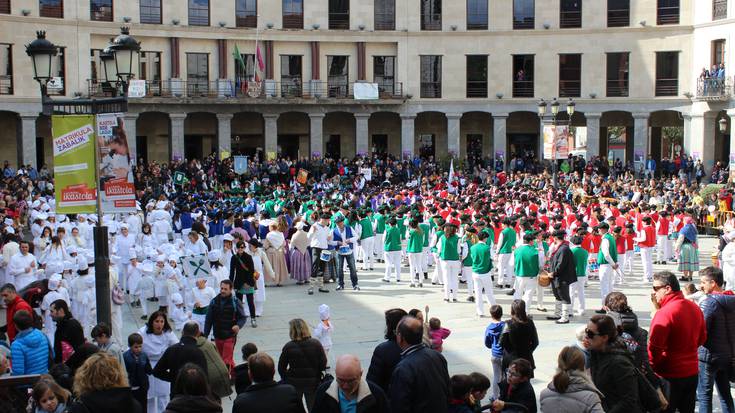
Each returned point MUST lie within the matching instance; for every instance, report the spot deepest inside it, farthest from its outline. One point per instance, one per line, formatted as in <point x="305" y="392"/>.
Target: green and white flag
<point x="196" y="266"/>
<point x="179" y="178"/>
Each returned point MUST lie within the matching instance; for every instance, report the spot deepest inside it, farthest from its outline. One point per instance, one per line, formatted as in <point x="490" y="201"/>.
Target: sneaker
<point x="386" y="281"/>
<point x="310" y="291"/>
<point x="562" y="321"/>
<point x="542" y="309"/>
<point x="511" y="292"/>
<point x="553" y="317"/>
<point x="356" y="288"/>
<point x="454" y="300"/>
<point x="323" y="290"/>
<point x="340" y="288"/>
<point x="446" y="299"/>
<point x="412" y="285"/>
<point x="471" y="299"/>
<point x="253" y="323"/>
<point x="421" y="285"/>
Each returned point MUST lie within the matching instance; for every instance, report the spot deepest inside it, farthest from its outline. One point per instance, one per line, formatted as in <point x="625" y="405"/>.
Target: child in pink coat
<point x="437" y="333"/>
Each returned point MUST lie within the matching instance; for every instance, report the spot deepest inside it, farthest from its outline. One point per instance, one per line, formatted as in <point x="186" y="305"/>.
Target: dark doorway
<point x="474" y="148"/>
<point x="141" y="148"/>
<point x="523" y="144"/>
<point x="193" y="147"/>
<point x="427" y="143"/>
<point x="334" y="147"/>
<point x="380" y="144"/>
<point x="40" y="159"/>
<point x="289" y="146"/>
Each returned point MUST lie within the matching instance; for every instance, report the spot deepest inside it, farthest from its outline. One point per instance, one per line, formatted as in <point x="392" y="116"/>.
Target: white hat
<point x="68" y="265"/>
<point x="176" y="299"/>
<point x="161" y="258"/>
<point x="71" y="249"/>
<point x="54" y="282"/>
<point x="228" y="237"/>
<point x="8" y="221"/>
<point x="214" y="255"/>
<point x="132" y="253"/>
<point x="61" y="217"/>
<point x="9" y="230"/>
<point x="323" y="312"/>
<point x="299" y="225"/>
<point x="89" y="281"/>
<point x="123" y="226"/>
<point x="36" y="203"/>
<point x="90" y="256"/>
<point x="173" y="257"/>
<point x="161" y="204"/>
<point x="54" y="266"/>
<point x="147" y="267"/>
<point x="82" y="264"/>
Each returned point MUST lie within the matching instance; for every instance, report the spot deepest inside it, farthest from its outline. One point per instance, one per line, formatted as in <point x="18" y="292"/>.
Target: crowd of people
<point x="198" y="257"/>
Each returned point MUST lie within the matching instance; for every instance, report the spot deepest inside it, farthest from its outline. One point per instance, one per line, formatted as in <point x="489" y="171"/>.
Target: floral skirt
<point x="688" y="258"/>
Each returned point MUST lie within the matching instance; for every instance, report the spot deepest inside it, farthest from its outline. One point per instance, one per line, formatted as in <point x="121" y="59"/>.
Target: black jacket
<point x="242" y="380"/>
<point x="523" y="394"/>
<point x="174" y="358"/>
<point x="519" y="340"/>
<point x="302" y="362"/>
<point x="269" y="397"/>
<point x="420" y="382"/>
<point x="193" y="404"/>
<point x="117" y="400"/>
<point x="241" y="271"/>
<point x="138" y="369"/>
<point x="613" y="373"/>
<point x="68" y="330"/>
<point x="385" y="358"/>
<point x="222" y="315"/>
<point x="370" y="398"/>
<point x="562" y="265"/>
<point x="719" y="317"/>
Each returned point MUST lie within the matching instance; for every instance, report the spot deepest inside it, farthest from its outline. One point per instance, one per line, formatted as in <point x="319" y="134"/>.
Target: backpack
<point x="117" y="295"/>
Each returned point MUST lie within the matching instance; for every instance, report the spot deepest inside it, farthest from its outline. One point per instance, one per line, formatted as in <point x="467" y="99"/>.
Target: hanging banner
<point x="196" y="266"/>
<point x="136" y="88"/>
<point x="302" y="177"/>
<point x="241" y="164"/>
<point x="367" y="173"/>
<point x="116" y="165"/>
<point x="76" y="191"/>
<point x="557" y="141"/>
<point x="365" y="91"/>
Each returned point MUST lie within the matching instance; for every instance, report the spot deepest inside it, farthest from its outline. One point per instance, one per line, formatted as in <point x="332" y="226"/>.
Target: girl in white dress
<point x="157" y="337"/>
<point x="262" y="266"/>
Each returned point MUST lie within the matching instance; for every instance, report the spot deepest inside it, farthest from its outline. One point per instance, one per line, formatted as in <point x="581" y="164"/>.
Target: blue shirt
<point x="345" y="405"/>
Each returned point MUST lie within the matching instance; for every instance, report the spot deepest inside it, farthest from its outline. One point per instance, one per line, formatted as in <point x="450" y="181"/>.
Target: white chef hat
<point x="9" y="230"/>
<point x="54" y="282"/>
<point x="176" y="299"/>
<point x="324" y="312"/>
<point x="161" y="258"/>
<point x="214" y="255"/>
<point x="71" y="249"/>
<point x="132" y="253"/>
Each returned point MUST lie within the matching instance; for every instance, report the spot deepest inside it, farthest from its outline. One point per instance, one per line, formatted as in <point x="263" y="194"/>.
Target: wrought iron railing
<point x="617" y="88"/>
<point x="339" y="21"/>
<point x="476" y="89"/>
<point x="385" y="21"/>
<point x="618" y="18"/>
<point x="714" y="88"/>
<point x="523" y="88"/>
<point x="526" y="23"/>
<point x="477" y="21"/>
<point x="49" y="10"/>
<point x="667" y="15"/>
<point x="667" y="87"/>
<point x="5" y="6"/>
<point x="570" y="88"/>
<point x="570" y="19"/>
<point x="246" y="19"/>
<point x="293" y="21"/>
<point x="6" y="85"/>
<point x="431" y="21"/>
<point x="431" y="90"/>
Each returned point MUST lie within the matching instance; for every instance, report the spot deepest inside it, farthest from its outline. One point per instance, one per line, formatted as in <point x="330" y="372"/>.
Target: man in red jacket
<point x="677" y="331"/>
<point x="15" y="304"/>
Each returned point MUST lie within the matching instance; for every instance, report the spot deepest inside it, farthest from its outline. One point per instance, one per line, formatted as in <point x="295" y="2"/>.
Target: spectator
<point x="492" y="341"/>
<point x="480" y="386"/>
<point x="157" y="337"/>
<point x="437" y="333"/>
<point x="571" y="390"/>
<point x="388" y="353"/>
<point x="191" y="391"/>
<point x="516" y="388"/>
<point x="265" y="395"/>
<point x="225" y="317"/>
<point x="677" y="331"/>
<point x="519" y="338"/>
<point x="48" y="397"/>
<point x="14" y="304"/>
<point x="138" y="367"/>
<point x="217" y="372"/>
<point x="349" y="391"/>
<point x="29" y="352"/>
<point x="420" y="381"/>
<point x="69" y="335"/>
<point x="460" y="390"/>
<point x="302" y="361"/>
<point x="242" y="378"/>
<point x="716" y="354"/>
<point x="101" y="335"/>
<point x="611" y="366"/>
<point x="101" y="386"/>
<point x="176" y="356"/>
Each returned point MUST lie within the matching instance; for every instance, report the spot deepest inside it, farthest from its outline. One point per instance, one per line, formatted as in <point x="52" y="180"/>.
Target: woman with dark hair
<point x="157" y="337"/>
<point x="519" y="338"/>
<point x="193" y="393"/>
<point x="387" y="354"/>
<point x="611" y="366"/>
<point x="69" y="335"/>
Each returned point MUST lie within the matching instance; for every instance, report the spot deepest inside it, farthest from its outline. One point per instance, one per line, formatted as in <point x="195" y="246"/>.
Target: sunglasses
<point x="658" y="287"/>
<point x="590" y="334"/>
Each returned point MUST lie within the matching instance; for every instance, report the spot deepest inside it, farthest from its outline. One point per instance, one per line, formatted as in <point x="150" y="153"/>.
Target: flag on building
<point x="238" y="58"/>
<point x="259" y="64"/>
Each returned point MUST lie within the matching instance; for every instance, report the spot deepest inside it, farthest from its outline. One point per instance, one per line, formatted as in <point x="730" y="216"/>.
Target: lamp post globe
<point x="125" y="50"/>
<point x="541" y="108"/>
<point x="571" y="106"/>
<point x="108" y="65"/>
<point x="555" y="107"/>
<point x="41" y="52"/>
<point x="723" y="125"/>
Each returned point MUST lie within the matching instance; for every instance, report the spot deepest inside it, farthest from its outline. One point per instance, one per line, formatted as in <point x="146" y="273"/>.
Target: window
<point x="718" y="52"/>
<point x="339" y="14"/>
<point x="246" y="13"/>
<point x="51" y="8"/>
<point x="570" y="14"/>
<point x="719" y="9"/>
<point x="431" y="76"/>
<point x="57" y="84"/>
<point x="618" y="13"/>
<point x="6" y="69"/>
<point x="384" y="71"/>
<point x="477" y="76"/>
<point x="570" y="75"/>
<point x="431" y="15"/>
<point x="617" y="74"/>
<point x="197" y="74"/>
<point x="150" y="11"/>
<point x="5" y="6"/>
<point x="293" y="14"/>
<point x="668" y="12"/>
<point x="477" y="14"/>
<point x="523" y="14"/>
<point x="198" y="12"/>
<point x="523" y="66"/>
<point x="150" y="70"/>
<point x="100" y="10"/>
<point x="291" y="76"/>
<point x="385" y="14"/>
<point x="667" y="73"/>
<point x="338" y="77"/>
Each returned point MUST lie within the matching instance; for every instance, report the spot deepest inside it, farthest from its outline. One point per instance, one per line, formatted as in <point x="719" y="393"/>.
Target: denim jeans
<point x="341" y="269"/>
<point x="711" y="375"/>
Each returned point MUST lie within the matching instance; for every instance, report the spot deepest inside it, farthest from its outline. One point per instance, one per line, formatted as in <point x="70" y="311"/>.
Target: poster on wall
<point x="557" y="141"/>
<point x="115" y="165"/>
<point x="73" y="145"/>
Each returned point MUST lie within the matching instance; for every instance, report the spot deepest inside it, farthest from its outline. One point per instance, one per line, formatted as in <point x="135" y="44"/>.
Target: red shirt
<point x="677" y="330"/>
<point x="663" y="227"/>
<point x="17" y="305"/>
<point x="620" y="244"/>
<point x="650" y="241"/>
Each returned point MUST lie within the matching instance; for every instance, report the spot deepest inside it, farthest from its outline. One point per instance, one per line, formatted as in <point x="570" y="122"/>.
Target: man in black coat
<point x="420" y="381"/>
<point x="349" y="389"/>
<point x="564" y="273"/>
<point x="185" y="351"/>
<point x="265" y="395"/>
<point x="67" y="329"/>
<point x="388" y="353"/>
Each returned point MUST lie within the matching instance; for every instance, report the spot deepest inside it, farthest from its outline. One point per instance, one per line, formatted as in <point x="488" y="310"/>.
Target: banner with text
<point x="115" y="168"/>
<point x="557" y="141"/>
<point x="76" y="191"/>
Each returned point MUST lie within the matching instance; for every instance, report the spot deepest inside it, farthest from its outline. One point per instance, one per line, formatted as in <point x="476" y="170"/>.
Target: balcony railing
<point x="55" y="11"/>
<point x="339" y="21"/>
<point x="5" y="6"/>
<point x="617" y="88"/>
<point x="476" y="89"/>
<point x="570" y="19"/>
<point x="477" y="21"/>
<point x="6" y="85"/>
<point x="385" y="21"/>
<point x="715" y="88"/>
<point x="431" y="90"/>
<point x="293" y="21"/>
<point x="668" y="15"/>
<point x="719" y="9"/>
<point x="431" y="21"/>
<point x="246" y="20"/>
<point x="618" y="18"/>
<point x="667" y="87"/>
<point x="523" y="88"/>
<point x="570" y="88"/>
<point x="526" y="23"/>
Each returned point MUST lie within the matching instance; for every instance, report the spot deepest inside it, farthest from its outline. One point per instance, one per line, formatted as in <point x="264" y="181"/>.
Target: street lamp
<point x="108" y="65"/>
<point x="723" y="125"/>
<point x="555" y="106"/>
<point x="125" y="49"/>
<point x="41" y="52"/>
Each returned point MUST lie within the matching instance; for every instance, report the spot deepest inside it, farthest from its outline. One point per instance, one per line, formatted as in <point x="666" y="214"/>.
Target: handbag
<point x="647" y="393"/>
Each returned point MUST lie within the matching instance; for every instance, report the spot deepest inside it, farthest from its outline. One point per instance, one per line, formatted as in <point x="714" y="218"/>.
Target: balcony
<point x="570" y="88"/>
<point x="246" y="19"/>
<point x="714" y="89"/>
<point x="617" y="88"/>
<point x="476" y="89"/>
<point x="525" y="23"/>
<point x="667" y="87"/>
<point x="293" y="21"/>
<point x="431" y="90"/>
<point x="618" y="18"/>
<point x="231" y="89"/>
<point x="570" y="19"/>
<point x="385" y="21"/>
<point x="6" y="85"/>
<point x="719" y="9"/>
<point x="523" y="88"/>
<point x="431" y="21"/>
<point x="339" y="21"/>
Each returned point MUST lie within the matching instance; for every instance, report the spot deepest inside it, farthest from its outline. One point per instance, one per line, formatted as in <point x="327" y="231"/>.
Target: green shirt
<point x="415" y="241"/>
<point x="449" y="248"/>
<point x="380" y="220"/>
<point x="482" y="261"/>
<point x="426" y="229"/>
<point x="439" y="235"/>
<point x="526" y="261"/>
<point x="467" y="261"/>
<point x="392" y="239"/>
<point x="612" y="247"/>
<point x="580" y="260"/>
<point x="367" y="228"/>
<point x="490" y="234"/>
<point x="509" y="241"/>
<point x="402" y="227"/>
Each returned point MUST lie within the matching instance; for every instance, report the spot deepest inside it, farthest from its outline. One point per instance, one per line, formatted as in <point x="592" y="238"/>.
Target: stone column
<point x="27" y="144"/>
<point x="408" y="135"/>
<point x="699" y="139"/>
<point x="224" y="133"/>
<point x="177" y="135"/>
<point x="131" y="131"/>
<point x="361" y="134"/>
<point x="593" y="134"/>
<point x="271" y="134"/>
<point x="453" y="140"/>
<point x="500" y="137"/>
<point x="317" y="134"/>
<point x="640" y="138"/>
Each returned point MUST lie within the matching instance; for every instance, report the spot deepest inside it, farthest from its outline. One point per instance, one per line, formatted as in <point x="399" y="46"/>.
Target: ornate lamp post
<point x="555" y="106"/>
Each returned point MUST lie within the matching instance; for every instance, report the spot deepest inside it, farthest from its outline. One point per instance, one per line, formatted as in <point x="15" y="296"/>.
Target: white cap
<point x="228" y="237"/>
<point x="132" y="253"/>
<point x="9" y="230"/>
<point x="68" y="265"/>
<point x="161" y="258"/>
<point x="324" y="312"/>
<point x="299" y="225"/>
<point x="54" y="282"/>
<point x="173" y="257"/>
<point x="214" y="255"/>
<point x="8" y="221"/>
<point x="71" y="249"/>
<point x="176" y="299"/>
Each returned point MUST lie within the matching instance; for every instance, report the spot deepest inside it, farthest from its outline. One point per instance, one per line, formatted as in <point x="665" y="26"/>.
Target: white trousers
<point x="628" y="262"/>
<point x="505" y="269"/>
<point x="438" y="276"/>
<point x="451" y="270"/>
<point x="483" y="283"/>
<point x="366" y="252"/>
<point x="525" y="287"/>
<point x="378" y="246"/>
<point x="414" y="265"/>
<point x="467" y="277"/>
<point x="392" y="263"/>
<point x="577" y="293"/>
<point x="663" y="248"/>
<point x="607" y="277"/>
<point x="647" y="260"/>
<point x="428" y="259"/>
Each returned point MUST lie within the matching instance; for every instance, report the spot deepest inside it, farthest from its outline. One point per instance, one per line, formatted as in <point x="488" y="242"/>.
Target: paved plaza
<point x="359" y="325"/>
